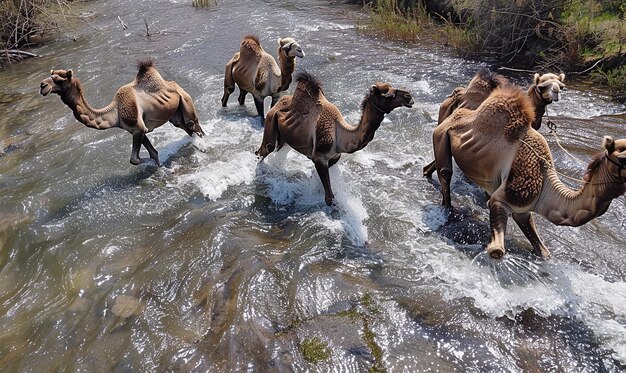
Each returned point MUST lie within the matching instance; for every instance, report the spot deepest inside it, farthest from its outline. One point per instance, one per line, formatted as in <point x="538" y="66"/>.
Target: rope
<point x="550" y="165"/>
<point x="553" y="128"/>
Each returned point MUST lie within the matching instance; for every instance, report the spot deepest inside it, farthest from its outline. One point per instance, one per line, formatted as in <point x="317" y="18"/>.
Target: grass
<point x="554" y="35"/>
<point x="314" y="350"/>
<point x="386" y="19"/>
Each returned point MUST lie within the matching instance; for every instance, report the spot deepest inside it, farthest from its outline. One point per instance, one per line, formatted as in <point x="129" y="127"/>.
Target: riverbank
<point x="585" y="39"/>
<point x="27" y="23"/>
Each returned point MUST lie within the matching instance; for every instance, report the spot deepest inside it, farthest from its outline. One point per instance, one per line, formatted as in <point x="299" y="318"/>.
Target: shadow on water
<point x="469" y="232"/>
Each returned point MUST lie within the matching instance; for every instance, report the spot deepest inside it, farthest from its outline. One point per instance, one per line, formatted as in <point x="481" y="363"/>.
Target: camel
<point x="543" y="91"/>
<point x="496" y="147"/>
<point x="313" y="126"/>
<point x="138" y="107"/>
<point x="255" y="71"/>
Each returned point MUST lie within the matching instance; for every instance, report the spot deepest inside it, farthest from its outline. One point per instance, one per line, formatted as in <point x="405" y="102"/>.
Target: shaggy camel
<point x="496" y="148"/>
<point x="255" y="71"/>
<point x="138" y="107"/>
<point x="314" y="127"/>
<point x="544" y="89"/>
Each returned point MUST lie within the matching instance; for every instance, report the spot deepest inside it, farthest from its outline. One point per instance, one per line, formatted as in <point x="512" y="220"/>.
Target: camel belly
<point x="158" y="108"/>
<point x="244" y="77"/>
<point x="483" y="160"/>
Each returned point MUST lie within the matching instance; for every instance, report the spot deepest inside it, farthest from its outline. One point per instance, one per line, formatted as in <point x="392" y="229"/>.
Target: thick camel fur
<point x="138" y="107"/>
<point x="496" y="147"/>
<point x="543" y="91"/>
<point x="255" y="71"/>
<point x="313" y="126"/>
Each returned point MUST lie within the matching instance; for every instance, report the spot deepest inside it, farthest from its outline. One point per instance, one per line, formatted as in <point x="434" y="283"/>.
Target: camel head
<point x="59" y="81"/>
<point x="386" y="98"/>
<point x="549" y="86"/>
<point x="616" y="155"/>
<point x="290" y="48"/>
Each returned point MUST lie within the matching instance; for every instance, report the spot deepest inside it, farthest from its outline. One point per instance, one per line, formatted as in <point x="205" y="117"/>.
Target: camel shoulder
<point x="528" y="170"/>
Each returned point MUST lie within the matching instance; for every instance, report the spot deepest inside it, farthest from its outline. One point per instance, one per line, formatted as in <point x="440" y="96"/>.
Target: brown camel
<point x="496" y="148"/>
<point x="544" y="89"/>
<point x="138" y="107"/>
<point x="255" y="71"/>
<point x="314" y="127"/>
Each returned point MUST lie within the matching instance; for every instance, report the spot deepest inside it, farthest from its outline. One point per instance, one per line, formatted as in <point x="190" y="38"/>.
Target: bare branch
<point x="124" y="27"/>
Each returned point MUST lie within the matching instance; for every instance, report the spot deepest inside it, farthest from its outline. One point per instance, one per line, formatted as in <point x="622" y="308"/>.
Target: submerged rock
<point x="126" y="306"/>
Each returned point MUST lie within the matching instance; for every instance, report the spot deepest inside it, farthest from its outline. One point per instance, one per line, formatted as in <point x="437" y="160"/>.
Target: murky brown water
<point x="215" y="262"/>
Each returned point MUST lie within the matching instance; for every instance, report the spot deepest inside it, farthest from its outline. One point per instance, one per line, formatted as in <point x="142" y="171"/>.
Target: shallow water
<point x="216" y="262"/>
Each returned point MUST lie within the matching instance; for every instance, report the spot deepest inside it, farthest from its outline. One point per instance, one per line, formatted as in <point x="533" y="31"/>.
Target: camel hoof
<point x="545" y="254"/>
<point x="495" y="252"/>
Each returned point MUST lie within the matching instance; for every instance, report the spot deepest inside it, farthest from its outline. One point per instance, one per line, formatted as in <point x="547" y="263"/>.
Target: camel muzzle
<point x="44" y="88"/>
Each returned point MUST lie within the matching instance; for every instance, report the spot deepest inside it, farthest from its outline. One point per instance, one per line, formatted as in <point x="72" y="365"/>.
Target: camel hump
<point x="509" y="108"/>
<point x="250" y="45"/>
<point x="481" y="86"/>
<point x="308" y="87"/>
<point x="143" y="66"/>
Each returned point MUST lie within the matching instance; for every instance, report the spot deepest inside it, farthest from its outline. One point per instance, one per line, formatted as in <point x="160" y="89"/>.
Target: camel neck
<point x="357" y="137"/>
<point x="287" y="67"/>
<point x="94" y="118"/>
<point x="564" y="206"/>
<point x="539" y="103"/>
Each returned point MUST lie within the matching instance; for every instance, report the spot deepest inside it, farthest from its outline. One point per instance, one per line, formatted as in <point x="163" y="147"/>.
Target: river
<point x="216" y="262"/>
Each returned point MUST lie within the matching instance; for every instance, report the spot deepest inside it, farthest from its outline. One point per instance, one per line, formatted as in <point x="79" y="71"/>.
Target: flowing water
<point x="216" y="262"/>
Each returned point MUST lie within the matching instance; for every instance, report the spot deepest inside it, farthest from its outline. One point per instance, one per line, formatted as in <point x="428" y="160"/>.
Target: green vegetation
<point x="23" y="20"/>
<point x="576" y="36"/>
<point x="203" y="3"/>
<point x="314" y="350"/>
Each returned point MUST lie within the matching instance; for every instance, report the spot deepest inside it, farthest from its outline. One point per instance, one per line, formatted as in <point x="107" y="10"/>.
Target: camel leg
<point x="242" y="97"/>
<point x="498" y="216"/>
<point x="270" y="135"/>
<point x="151" y="150"/>
<point x="134" y="153"/>
<point x="334" y="160"/>
<point x="229" y="81"/>
<point x="275" y="100"/>
<point x="227" y="92"/>
<point x="527" y="225"/>
<point x="322" y="170"/>
<point x="443" y="162"/>
<point x="429" y="169"/>
<point x="259" y="106"/>
<point x="188" y="114"/>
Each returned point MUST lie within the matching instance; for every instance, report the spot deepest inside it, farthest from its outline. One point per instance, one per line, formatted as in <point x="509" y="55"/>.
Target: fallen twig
<point x="19" y="53"/>
<point x="124" y="27"/>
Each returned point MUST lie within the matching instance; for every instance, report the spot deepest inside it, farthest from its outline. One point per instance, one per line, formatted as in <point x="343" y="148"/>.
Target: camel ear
<point x="536" y="78"/>
<point x="374" y="90"/>
<point x="52" y="72"/>
<point x="609" y="144"/>
<point x="68" y="74"/>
